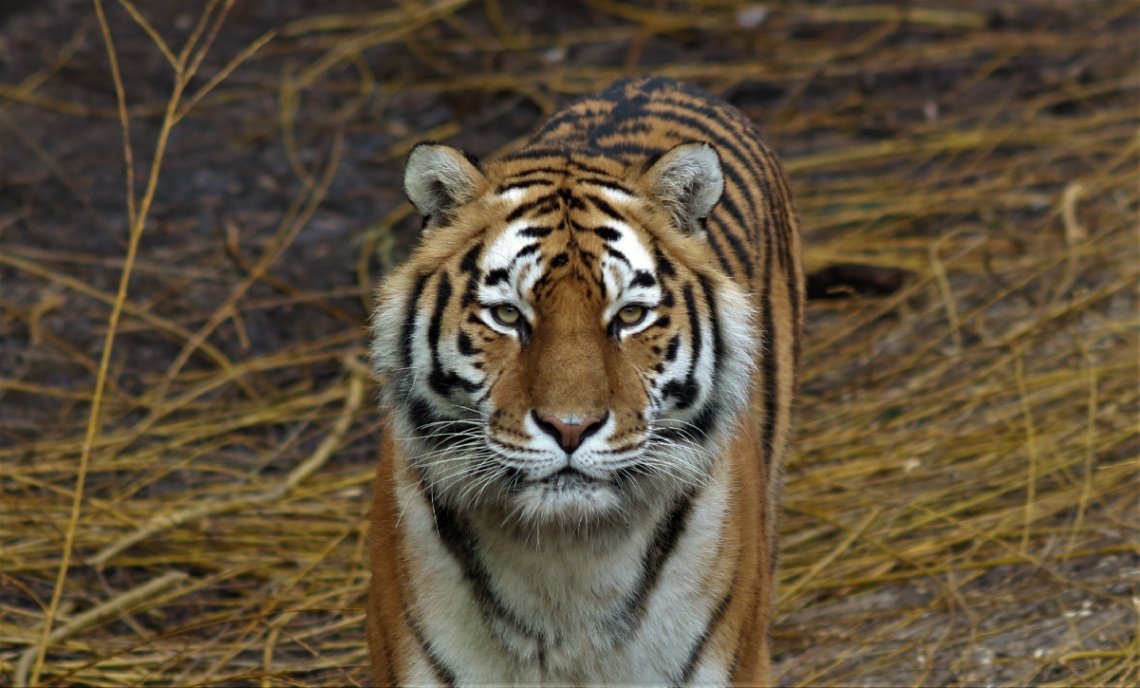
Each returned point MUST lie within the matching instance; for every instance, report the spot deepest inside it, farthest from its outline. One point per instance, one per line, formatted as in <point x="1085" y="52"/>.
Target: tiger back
<point x="588" y="364"/>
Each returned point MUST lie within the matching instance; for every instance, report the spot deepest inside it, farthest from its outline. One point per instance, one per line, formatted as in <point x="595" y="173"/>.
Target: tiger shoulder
<point x="588" y="366"/>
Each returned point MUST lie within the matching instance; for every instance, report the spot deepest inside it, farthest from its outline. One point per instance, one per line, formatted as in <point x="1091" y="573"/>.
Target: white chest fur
<point x="567" y="609"/>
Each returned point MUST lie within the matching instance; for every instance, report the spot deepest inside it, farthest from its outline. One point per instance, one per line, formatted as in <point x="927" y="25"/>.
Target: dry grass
<point x="962" y="501"/>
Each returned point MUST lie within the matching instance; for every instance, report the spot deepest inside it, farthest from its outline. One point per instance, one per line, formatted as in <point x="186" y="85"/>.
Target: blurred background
<point x="188" y="429"/>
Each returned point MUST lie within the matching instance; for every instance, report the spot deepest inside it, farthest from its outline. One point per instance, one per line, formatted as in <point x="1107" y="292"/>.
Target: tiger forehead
<point x="584" y="223"/>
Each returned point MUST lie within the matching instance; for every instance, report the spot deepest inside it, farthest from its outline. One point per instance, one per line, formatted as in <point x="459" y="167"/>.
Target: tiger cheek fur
<point x="588" y="365"/>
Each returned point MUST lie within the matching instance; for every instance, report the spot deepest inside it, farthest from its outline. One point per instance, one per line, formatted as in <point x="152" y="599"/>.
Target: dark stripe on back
<point x="768" y="358"/>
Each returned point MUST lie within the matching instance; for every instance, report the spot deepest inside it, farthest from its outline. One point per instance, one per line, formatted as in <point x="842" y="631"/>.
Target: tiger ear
<point x="438" y="179"/>
<point x="687" y="180"/>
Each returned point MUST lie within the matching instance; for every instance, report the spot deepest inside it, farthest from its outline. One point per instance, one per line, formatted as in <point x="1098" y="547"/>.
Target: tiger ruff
<point x="589" y="364"/>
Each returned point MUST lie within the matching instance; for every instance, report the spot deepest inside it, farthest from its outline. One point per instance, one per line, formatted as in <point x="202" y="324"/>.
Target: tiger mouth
<point x="570" y="478"/>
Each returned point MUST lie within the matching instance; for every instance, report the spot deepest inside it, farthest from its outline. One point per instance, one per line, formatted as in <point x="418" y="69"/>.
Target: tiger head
<point x="560" y="348"/>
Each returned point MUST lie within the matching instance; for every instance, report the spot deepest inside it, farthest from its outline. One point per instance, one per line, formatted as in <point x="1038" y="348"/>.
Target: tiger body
<point x="589" y="365"/>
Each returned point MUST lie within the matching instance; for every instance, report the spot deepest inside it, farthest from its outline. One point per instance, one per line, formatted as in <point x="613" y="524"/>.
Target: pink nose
<point x="569" y="435"/>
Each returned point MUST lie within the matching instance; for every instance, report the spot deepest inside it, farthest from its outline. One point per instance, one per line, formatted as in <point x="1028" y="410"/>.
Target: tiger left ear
<point x="687" y="180"/>
<point x="438" y="179"/>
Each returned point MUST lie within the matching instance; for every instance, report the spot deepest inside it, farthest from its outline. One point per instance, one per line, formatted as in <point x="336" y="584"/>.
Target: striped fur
<point x="589" y="365"/>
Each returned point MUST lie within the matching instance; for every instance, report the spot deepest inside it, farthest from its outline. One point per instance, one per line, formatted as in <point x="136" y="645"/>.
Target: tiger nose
<point x="569" y="435"/>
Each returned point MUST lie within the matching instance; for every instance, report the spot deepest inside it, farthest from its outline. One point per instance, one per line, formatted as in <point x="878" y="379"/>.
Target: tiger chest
<point x="632" y="609"/>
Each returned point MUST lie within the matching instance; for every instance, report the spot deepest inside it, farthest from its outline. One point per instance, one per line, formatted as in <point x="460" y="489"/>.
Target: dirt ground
<point x="962" y="503"/>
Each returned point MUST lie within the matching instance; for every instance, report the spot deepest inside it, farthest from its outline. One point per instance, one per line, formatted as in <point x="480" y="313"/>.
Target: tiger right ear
<point x="687" y="180"/>
<point x="438" y="179"/>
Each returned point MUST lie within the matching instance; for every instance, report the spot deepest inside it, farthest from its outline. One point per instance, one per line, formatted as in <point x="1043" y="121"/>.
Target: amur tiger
<point x="588" y="364"/>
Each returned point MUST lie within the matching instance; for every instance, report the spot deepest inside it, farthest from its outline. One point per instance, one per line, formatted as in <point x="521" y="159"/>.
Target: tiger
<point x="588" y="365"/>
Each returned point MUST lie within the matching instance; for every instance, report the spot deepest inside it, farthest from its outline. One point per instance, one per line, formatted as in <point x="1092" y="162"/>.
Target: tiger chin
<point x="588" y="365"/>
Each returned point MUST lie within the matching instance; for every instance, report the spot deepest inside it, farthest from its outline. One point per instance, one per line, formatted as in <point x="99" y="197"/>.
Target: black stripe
<point x="524" y="185"/>
<point x="536" y="232"/>
<point x="533" y="153"/>
<point x="664" y="265"/>
<point x="567" y="196"/>
<point x="665" y="538"/>
<point x="456" y="536"/>
<point x="705" y="422"/>
<point x="442" y="297"/>
<point x="619" y="255"/>
<point x="496" y="276"/>
<point x="410" y="320"/>
<point x="523" y="209"/>
<point x="526" y="251"/>
<point x="607" y="233"/>
<point x="470" y="265"/>
<point x="421" y="414"/>
<point x="443" y="673"/>
<point x="464" y="345"/>
<point x="574" y="162"/>
<point x="442" y="383"/>
<point x="699" y="647"/>
<point x="768" y="359"/>
<point x="642" y="278"/>
<point x="686" y="392"/>
<point x="604" y="207"/>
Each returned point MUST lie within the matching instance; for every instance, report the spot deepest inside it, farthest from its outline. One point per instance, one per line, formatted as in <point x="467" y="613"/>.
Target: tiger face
<point x="566" y="354"/>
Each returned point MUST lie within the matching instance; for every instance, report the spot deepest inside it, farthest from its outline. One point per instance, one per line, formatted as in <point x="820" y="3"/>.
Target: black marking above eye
<point x="559" y="260"/>
<point x="527" y="250"/>
<point x="496" y="276"/>
<point x="642" y="279"/>
<point x="535" y="232"/>
<point x="607" y="233"/>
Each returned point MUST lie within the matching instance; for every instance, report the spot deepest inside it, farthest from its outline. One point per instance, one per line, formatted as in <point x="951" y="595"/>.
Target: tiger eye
<point x="506" y="314"/>
<point x="631" y="315"/>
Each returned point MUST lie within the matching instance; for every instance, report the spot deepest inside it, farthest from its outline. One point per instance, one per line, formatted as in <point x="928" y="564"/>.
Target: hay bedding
<point x="191" y="507"/>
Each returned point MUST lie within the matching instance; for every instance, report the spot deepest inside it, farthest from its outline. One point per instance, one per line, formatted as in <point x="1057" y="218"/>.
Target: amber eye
<point x="506" y="314"/>
<point x="631" y="315"/>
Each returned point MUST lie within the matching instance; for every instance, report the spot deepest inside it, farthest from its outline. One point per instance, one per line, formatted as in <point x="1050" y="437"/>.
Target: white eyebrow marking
<point x="513" y="195"/>
<point x="614" y="193"/>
